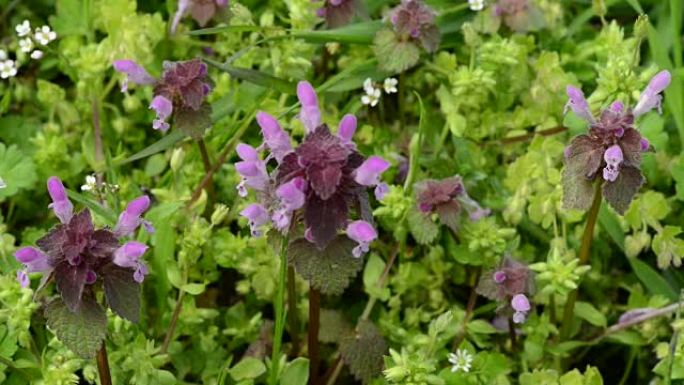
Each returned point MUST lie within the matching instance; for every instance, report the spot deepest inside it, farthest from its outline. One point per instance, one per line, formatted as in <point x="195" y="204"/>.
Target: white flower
<point x="461" y="360"/>
<point x="26" y="45"/>
<point x="2" y="183"/>
<point x="23" y="29"/>
<point x="44" y="35"/>
<point x="371" y="98"/>
<point x="37" y="54"/>
<point x="390" y="85"/>
<point x="91" y="183"/>
<point x="8" y="69"/>
<point x="368" y="86"/>
<point x="476" y="5"/>
<point x="3" y="54"/>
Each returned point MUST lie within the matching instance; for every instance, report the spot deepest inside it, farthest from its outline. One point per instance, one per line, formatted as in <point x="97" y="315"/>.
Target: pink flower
<point x="651" y="97"/>
<point x="363" y="233"/>
<point x="129" y="255"/>
<point x="163" y="107"/>
<point x="613" y="157"/>
<point x="578" y="104"/>
<point x="310" y="115"/>
<point x="129" y="220"/>
<point x="275" y="138"/>
<point x="521" y="305"/>
<point x="257" y="216"/>
<point x="61" y="204"/>
<point x="135" y="73"/>
<point x="34" y="261"/>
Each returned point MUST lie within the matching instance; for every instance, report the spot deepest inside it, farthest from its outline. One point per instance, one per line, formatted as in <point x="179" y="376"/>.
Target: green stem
<point x="314" y="326"/>
<point x="292" y="313"/>
<point x="174" y="322"/>
<point x="584" y="252"/>
<point x="279" y="313"/>
<point x="401" y="96"/>
<point x="206" y="161"/>
<point x="472" y="299"/>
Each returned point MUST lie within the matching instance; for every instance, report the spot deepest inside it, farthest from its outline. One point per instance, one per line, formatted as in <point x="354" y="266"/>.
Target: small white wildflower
<point x="91" y="183"/>
<point x="37" y="54"/>
<point x="476" y="5"/>
<point x="368" y="86"/>
<point x="390" y="85"/>
<point x="2" y="183"/>
<point x="8" y="69"/>
<point x="23" y="29"/>
<point x="3" y="55"/>
<point x="26" y="45"/>
<point x="461" y="360"/>
<point x="371" y="98"/>
<point x="44" y="35"/>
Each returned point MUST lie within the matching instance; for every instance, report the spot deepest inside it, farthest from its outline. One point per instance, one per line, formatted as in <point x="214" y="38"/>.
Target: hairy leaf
<point x="619" y="194"/>
<point x="329" y="270"/>
<point x="423" y="229"/>
<point x="83" y="330"/>
<point x="333" y="326"/>
<point x="194" y="122"/>
<point x="363" y="350"/>
<point x="122" y="292"/>
<point x="394" y="55"/>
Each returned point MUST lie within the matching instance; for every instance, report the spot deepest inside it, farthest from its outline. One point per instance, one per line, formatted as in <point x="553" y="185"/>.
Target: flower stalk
<point x="314" y="325"/>
<point x="585" y="248"/>
<point x="103" y="366"/>
<point x="279" y="313"/>
<point x="292" y="314"/>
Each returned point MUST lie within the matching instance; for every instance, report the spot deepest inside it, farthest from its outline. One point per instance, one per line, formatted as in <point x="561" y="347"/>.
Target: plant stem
<point x="103" y="366"/>
<point x="511" y="334"/>
<point x="174" y="321"/>
<point x="402" y="102"/>
<point x="206" y="161"/>
<point x="279" y="306"/>
<point x="292" y="313"/>
<point x="585" y="248"/>
<point x="472" y="299"/>
<point x="314" y="325"/>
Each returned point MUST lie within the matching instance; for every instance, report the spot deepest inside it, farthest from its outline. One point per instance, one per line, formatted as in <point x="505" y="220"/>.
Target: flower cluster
<point x="92" y="185"/>
<point x="446" y="197"/>
<point x="320" y="181"/>
<point x="76" y="255"/>
<point x="510" y="285"/>
<point x="413" y="20"/>
<point x="200" y="10"/>
<point x="180" y="92"/>
<point x="336" y="12"/>
<point x="29" y="43"/>
<point x="373" y="91"/>
<point x="612" y="149"/>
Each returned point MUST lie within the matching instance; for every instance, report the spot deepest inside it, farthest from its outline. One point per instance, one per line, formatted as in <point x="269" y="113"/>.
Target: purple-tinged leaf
<point x="193" y="122"/>
<point x="70" y="282"/>
<point x="449" y="214"/>
<point x="631" y="147"/>
<point x="325" y="217"/>
<point x="619" y="194"/>
<point x="324" y="180"/>
<point x="202" y="11"/>
<point x="122" y="292"/>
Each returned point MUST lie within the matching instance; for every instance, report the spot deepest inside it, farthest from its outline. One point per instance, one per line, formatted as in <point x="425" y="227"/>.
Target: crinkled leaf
<point x="325" y="217"/>
<point x="430" y="37"/>
<point x="578" y="191"/>
<point x="371" y="276"/>
<point x="122" y="292"/>
<point x="193" y="122"/>
<point x="581" y="165"/>
<point x="449" y="214"/>
<point x="423" y="229"/>
<point x="619" y="194"/>
<point x="70" y="282"/>
<point x="363" y="350"/>
<point x="394" y="55"/>
<point x="333" y="326"/>
<point x="329" y="270"/>
<point x="83" y="330"/>
<point x="631" y="147"/>
<point x="16" y="170"/>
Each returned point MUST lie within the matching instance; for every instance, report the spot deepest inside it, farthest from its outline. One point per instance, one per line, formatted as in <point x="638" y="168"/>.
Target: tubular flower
<point x="613" y="145"/>
<point x="179" y="93"/>
<point x="76" y="255"/>
<point x="510" y="285"/>
<point x="321" y="182"/>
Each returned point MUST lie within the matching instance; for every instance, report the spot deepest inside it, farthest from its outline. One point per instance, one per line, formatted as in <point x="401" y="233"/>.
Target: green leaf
<point x="610" y="224"/>
<point x="194" y="288"/>
<point x="668" y="247"/>
<point x="333" y="326"/>
<point x="627" y="337"/>
<point x="106" y="213"/>
<point x="652" y="280"/>
<point x="82" y="331"/>
<point x="16" y="170"/>
<point x="371" y="275"/>
<point x="72" y="17"/>
<point x="423" y="229"/>
<point x="358" y="33"/>
<point x="363" y="350"/>
<point x="162" y="144"/>
<point x="193" y="123"/>
<point x="481" y="327"/>
<point x="619" y="194"/>
<point x="257" y="77"/>
<point x="296" y="372"/>
<point x="329" y="270"/>
<point x="248" y="368"/>
<point x="122" y="292"/>
<point x="393" y="54"/>
<point x="589" y="313"/>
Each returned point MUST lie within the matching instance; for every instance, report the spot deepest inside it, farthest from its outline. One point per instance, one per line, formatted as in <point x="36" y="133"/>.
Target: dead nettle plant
<point x="314" y="197"/>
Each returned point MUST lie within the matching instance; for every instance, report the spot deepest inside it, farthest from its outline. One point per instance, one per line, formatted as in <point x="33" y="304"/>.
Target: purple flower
<point x="257" y="216"/>
<point x="521" y="305"/>
<point x="251" y="168"/>
<point x="61" y="204"/>
<point x="613" y="145"/>
<point x="129" y="220"/>
<point x="368" y="174"/>
<point x="363" y="233"/>
<point x="129" y="255"/>
<point x="310" y="115"/>
<point x="336" y="12"/>
<point x="578" y="104"/>
<point x="613" y="158"/>
<point x="181" y="91"/>
<point x="34" y="261"/>
<point x="413" y="19"/>
<point x="292" y="197"/>
<point x="651" y="97"/>
<point x="200" y="10"/>
<point x="634" y="314"/>
<point x="277" y="141"/>
<point x="504" y="283"/>
<point x="134" y="73"/>
<point x="347" y="128"/>
<point x="499" y="276"/>
<point x="446" y="197"/>
<point x="163" y="107"/>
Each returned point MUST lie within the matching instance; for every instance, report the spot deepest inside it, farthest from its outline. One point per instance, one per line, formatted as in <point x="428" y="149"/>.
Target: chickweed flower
<point x="390" y="85"/>
<point x="90" y="184"/>
<point x="23" y="29"/>
<point x="3" y="55"/>
<point x="372" y="96"/>
<point x="8" y="69"/>
<point x="461" y="360"/>
<point x="44" y="35"/>
<point x="26" y="45"/>
<point x="37" y="54"/>
<point x="476" y="5"/>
